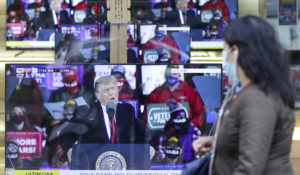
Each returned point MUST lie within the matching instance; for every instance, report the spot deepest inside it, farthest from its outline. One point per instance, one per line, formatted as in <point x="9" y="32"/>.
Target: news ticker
<point x="32" y="72"/>
<point x="92" y="172"/>
<point x="39" y="70"/>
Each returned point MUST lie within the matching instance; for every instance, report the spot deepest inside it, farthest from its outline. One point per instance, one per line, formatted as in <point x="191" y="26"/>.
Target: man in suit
<point x="122" y="127"/>
<point x="181" y="16"/>
<point x="53" y="15"/>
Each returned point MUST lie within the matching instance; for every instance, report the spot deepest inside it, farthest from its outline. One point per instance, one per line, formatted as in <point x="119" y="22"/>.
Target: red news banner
<point x="30" y="143"/>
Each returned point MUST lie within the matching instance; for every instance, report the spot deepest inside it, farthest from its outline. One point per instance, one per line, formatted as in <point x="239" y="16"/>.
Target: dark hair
<point x="261" y="56"/>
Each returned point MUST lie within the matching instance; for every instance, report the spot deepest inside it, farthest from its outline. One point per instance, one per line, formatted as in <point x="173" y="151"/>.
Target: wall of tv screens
<point x="49" y="107"/>
<point x="195" y="26"/>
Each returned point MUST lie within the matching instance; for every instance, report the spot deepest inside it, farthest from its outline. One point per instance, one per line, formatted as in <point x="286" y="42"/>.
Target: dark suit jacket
<point x="128" y="128"/>
<point x="173" y="18"/>
<point x="46" y="20"/>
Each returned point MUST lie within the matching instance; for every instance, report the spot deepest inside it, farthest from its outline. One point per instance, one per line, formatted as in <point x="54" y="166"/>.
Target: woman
<point x="255" y="132"/>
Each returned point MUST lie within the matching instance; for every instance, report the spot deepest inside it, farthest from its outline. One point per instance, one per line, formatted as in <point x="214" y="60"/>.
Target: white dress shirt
<point x="181" y="17"/>
<point x="106" y="120"/>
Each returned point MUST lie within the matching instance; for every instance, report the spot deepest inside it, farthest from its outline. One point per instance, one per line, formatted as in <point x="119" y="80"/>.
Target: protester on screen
<point x="24" y="106"/>
<point x="67" y="50"/>
<point x="15" y="12"/>
<point x="181" y="92"/>
<point x="99" y="55"/>
<point x="141" y="14"/>
<point x="32" y="25"/>
<point x="219" y="7"/>
<point x="71" y="90"/>
<point x="125" y="90"/>
<point x="165" y="48"/>
<point x="73" y="55"/>
<point x="24" y="111"/>
<point x="12" y="155"/>
<point x="171" y="151"/>
<point x="17" y="120"/>
<point x="257" y="124"/>
<point x="179" y="127"/>
<point x="63" y="141"/>
<point x="61" y="51"/>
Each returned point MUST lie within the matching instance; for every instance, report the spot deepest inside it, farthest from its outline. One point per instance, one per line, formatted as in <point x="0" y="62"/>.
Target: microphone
<point x="111" y="109"/>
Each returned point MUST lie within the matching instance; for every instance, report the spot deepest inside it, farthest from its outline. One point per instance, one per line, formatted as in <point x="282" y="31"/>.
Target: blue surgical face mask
<point x="230" y="68"/>
<point x="172" y="81"/>
<point x="159" y="34"/>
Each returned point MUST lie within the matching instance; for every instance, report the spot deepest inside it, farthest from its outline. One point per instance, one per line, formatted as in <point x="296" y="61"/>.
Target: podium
<point x="110" y="157"/>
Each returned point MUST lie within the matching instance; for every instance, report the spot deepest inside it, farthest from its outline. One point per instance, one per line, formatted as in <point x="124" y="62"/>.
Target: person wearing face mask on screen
<point x="164" y="47"/>
<point x="72" y="89"/>
<point x="255" y="125"/>
<point x="180" y="91"/>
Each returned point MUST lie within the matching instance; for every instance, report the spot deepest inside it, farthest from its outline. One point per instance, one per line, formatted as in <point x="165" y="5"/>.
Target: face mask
<point x="159" y="34"/>
<point x="71" y="87"/>
<point x="172" y="153"/>
<point x="172" y="81"/>
<point x="121" y="83"/>
<point x="230" y="68"/>
<point x="17" y="119"/>
<point x="69" y="116"/>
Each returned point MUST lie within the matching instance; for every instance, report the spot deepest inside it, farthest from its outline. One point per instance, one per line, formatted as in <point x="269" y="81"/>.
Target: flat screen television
<point x="50" y="108"/>
<point x="30" y="24"/>
<point x="206" y="20"/>
<point x="150" y="43"/>
<point x="82" y="44"/>
<point x="202" y="11"/>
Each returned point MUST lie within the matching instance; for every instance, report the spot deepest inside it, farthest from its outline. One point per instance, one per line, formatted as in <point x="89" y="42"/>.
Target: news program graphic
<point x="29" y="143"/>
<point x="159" y="114"/>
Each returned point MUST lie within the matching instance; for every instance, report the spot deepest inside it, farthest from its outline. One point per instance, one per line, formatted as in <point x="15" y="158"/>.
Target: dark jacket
<point x="173" y="18"/>
<point x="255" y="136"/>
<point x="128" y="128"/>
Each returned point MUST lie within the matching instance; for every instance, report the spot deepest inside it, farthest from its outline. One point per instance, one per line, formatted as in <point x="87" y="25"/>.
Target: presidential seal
<point x="110" y="160"/>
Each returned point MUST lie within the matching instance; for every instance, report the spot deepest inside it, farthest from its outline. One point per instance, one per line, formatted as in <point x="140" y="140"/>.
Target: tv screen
<point x="208" y="15"/>
<point x="160" y="11"/>
<point x="82" y="44"/>
<point x="30" y="24"/>
<point x="214" y="16"/>
<point x="158" y="44"/>
<point x="58" y="117"/>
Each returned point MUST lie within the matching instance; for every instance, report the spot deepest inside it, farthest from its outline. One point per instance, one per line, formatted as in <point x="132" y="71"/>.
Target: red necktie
<point x="113" y="135"/>
<point x="58" y="20"/>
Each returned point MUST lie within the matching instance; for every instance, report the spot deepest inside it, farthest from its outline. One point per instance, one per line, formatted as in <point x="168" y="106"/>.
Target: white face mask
<point x="230" y="68"/>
